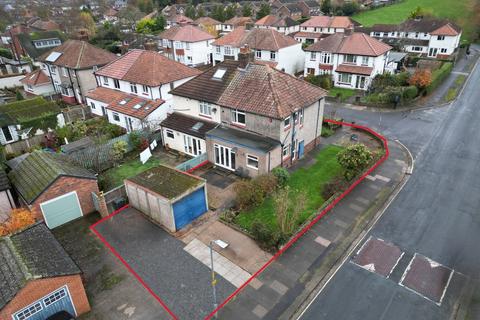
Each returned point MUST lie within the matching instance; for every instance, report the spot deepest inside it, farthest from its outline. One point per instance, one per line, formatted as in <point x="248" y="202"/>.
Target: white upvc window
<point x="349" y="58"/>
<point x="238" y="117"/>
<point x="92" y="105"/>
<point x="133" y="88"/>
<point x="187" y="45"/>
<point x="286" y="150"/>
<point x="145" y="89"/>
<point x="116" y="83"/>
<point x="228" y="51"/>
<point x="169" y="134"/>
<point x="252" y="161"/>
<point x="95" y="68"/>
<point x="286" y="123"/>
<point x="440" y="37"/>
<point x="273" y="55"/>
<point x="205" y="108"/>
<point x="53" y="69"/>
<point x="105" y="81"/>
<point x="64" y="71"/>
<point x="258" y="54"/>
<point x="313" y="56"/>
<point x="178" y="45"/>
<point x="218" y="49"/>
<point x="365" y="61"/>
<point x="345" y="78"/>
<point x="326" y="58"/>
<point x="116" y="116"/>
<point x="443" y="50"/>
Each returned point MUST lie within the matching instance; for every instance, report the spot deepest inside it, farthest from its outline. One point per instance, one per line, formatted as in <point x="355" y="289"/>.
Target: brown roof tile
<point x="36" y="77"/>
<point x="260" y="39"/>
<point x="187" y="33"/>
<point x="357" y="43"/>
<point x="77" y="54"/>
<point x="185" y="124"/>
<point x="446" y="30"/>
<point x="148" y="68"/>
<point x="207" y="21"/>
<point x="125" y="103"/>
<point x="239" y="21"/>
<point x="329" y="22"/>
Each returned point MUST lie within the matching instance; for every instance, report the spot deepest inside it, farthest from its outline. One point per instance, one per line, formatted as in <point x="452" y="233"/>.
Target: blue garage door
<point x="188" y="208"/>
<point x="41" y="309"/>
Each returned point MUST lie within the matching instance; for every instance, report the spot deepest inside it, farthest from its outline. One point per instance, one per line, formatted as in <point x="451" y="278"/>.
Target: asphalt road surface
<point x="436" y="215"/>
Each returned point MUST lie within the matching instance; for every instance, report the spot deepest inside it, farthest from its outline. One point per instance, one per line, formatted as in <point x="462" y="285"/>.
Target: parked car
<point x="62" y="315"/>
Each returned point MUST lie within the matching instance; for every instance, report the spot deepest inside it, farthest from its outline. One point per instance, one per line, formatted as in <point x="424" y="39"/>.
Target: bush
<point x="18" y="220"/>
<point x="262" y="234"/>
<point x="282" y="176"/>
<point x="335" y="185"/>
<point x="324" y="81"/>
<point x="438" y="76"/>
<point x="421" y="78"/>
<point x="354" y="159"/>
<point x="409" y="93"/>
<point x="135" y="140"/>
<point x="402" y="78"/>
<point x="266" y="183"/>
<point x="247" y="194"/>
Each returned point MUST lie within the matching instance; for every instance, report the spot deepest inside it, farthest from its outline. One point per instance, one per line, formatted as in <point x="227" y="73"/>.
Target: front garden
<point x="272" y="207"/>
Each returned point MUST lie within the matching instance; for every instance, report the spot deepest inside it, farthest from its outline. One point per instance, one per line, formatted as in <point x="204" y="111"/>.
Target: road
<point x="435" y="215"/>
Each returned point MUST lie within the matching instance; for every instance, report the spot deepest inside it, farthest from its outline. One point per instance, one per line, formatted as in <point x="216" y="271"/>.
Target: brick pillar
<point x="102" y="205"/>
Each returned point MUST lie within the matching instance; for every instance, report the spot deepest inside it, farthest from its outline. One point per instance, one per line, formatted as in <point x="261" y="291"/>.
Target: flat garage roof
<point x="167" y="182"/>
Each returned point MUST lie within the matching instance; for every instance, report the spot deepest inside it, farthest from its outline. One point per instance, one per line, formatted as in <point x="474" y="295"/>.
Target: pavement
<point x="179" y="279"/>
<point x="283" y="286"/>
<point x="435" y="216"/>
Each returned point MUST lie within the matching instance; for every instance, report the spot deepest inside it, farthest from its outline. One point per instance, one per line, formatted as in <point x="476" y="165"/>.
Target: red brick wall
<point x="37" y="289"/>
<point x="63" y="185"/>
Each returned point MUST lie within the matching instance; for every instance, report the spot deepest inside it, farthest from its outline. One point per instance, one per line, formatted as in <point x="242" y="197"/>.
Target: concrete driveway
<point x="181" y="281"/>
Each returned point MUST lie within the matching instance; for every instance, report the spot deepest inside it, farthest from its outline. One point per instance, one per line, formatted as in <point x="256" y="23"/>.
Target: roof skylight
<point x="219" y="73"/>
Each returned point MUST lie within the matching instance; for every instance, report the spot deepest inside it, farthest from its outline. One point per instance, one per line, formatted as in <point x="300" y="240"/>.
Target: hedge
<point x="410" y="93"/>
<point x="438" y="76"/>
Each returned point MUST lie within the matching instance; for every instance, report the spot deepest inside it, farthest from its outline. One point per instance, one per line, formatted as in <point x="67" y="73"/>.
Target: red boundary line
<point x="279" y="252"/>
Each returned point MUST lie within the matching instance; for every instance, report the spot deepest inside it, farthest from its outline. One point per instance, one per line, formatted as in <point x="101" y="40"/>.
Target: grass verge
<point x="453" y="91"/>
<point x="309" y="180"/>
<point x="343" y="92"/>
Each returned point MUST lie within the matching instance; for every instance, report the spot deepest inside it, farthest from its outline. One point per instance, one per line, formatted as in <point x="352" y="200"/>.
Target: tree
<point x="263" y="11"/>
<point x="190" y="11"/>
<point x="87" y="22"/>
<point x="130" y="15"/>
<point x="4" y="52"/>
<point x="350" y="8"/>
<point x="354" y="159"/>
<point x="160" y="22"/>
<point x="420" y="12"/>
<point x="218" y="13"/>
<point x="247" y="10"/>
<point x="421" y="78"/>
<point x="19" y="96"/>
<point x="146" y="6"/>
<point x="19" y="219"/>
<point x="201" y="12"/>
<point x="146" y="26"/>
<point x="118" y="150"/>
<point x="288" y="208"/>
<point x="326" y="7"/>
<point x="230" y="12"/>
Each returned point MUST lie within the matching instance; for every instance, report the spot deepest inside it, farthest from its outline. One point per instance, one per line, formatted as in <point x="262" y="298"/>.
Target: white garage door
<point x="61" y="210"/>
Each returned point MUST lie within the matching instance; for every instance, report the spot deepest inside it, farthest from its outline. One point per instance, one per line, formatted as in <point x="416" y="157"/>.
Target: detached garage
<point x="168" y="196"/>
<point x="54" y="188"/>
<point x="38" y="278"/>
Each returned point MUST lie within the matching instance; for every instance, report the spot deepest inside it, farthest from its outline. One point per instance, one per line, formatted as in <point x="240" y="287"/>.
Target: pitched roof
<point x="239" y="21"/>
<point x="207" y="21"/>
<point x="78" y="54"/>
<point x="357" y="43"/>
<point x="433" y="26"/>
<point x="256" y="89"/>
<point x="36" y="77"/>
<point x="24" y="110"/>
<point x="33" y="253"/>
<point x="260" y="39"/>
<point x="147" y="67"/>
<point x="445" y="30"/>
<point x="190" y="125"/>
<point x="204" y="87"/>
<point x="40" y="169"/>
<point x="274" y="21"/>
<point x="187" y="33"/>
<point x="47" y="25"/>
<point x="244" y="138"/>
<point x="4" y="182"/>
<point x="125" y="103"/>
<point x="26" y="41"/>
<point x="329" y="22"/>
<point x="167" y="182"/>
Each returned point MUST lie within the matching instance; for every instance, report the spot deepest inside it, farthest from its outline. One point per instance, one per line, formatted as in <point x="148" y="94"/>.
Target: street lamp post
<point x="223" y="245"/>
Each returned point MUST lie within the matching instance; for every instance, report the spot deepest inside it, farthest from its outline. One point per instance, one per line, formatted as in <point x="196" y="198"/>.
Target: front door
<point x="301" y="149"/>
<point x="432" y="52"/>
<point x="360" y="82"/>
<point x="224" y="157"/>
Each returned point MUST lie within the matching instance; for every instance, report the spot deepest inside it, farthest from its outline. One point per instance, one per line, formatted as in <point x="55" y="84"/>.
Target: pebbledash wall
<point x="37" y="289"/>
<point x="83" y="186"/>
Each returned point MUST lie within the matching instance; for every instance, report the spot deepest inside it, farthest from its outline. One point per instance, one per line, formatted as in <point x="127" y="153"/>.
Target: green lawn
<point x="310" y="180"/>
<point x="459" y="11"/>
<point x="115" y="176"/>
<point x="344" y="92"/>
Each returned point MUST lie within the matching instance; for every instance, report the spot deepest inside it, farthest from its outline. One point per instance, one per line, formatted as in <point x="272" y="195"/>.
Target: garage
<point x="170" y="197"/>
<point x="61" y="210"/>
<point x="53" y="303"/>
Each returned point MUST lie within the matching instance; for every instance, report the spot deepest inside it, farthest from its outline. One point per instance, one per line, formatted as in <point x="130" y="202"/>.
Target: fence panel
<point x="192" y="163"/>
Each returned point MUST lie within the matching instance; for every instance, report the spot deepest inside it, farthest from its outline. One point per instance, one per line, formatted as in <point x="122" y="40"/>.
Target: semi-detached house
<point x="187" y="44"/>
<point x="269" y="46"/>
<point x="353" y="60"/>
<point x="430" y="37"/>
<point x="248" y="117"/>
<point x="70" y="67"/>
<point x="320" y="26"/>
<point x="284" y="25"/>
<point x="133" y="91"/>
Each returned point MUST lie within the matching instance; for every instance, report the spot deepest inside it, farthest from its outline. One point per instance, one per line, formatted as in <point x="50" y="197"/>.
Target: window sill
<point x="238" y="125"/>
<point x="205" y="116"/>
<point x="252" y="167"/>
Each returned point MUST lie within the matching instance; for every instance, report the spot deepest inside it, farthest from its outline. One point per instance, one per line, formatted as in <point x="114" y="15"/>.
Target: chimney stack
<point x="245" y="56"/>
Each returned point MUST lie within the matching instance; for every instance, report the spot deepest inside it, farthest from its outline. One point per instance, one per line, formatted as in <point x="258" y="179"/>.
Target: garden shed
<point x="168" y="196"/>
